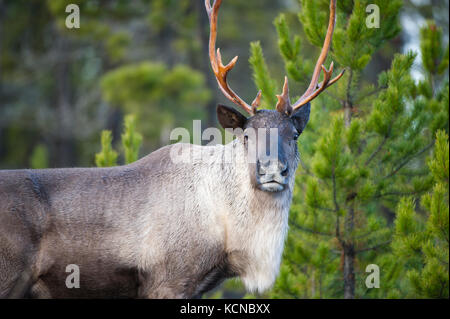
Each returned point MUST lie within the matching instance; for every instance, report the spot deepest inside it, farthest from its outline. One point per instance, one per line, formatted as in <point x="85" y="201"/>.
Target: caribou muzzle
<point x="272" y="175"/>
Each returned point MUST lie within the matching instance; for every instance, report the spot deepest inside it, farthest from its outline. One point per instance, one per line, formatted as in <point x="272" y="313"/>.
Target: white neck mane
<point x="257" y="222"/>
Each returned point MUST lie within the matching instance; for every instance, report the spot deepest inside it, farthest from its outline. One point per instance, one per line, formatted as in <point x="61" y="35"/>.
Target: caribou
<point x="156" y="228"/>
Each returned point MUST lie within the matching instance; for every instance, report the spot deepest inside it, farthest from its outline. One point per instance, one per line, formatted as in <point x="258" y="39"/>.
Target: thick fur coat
<point x="151" y="229"/>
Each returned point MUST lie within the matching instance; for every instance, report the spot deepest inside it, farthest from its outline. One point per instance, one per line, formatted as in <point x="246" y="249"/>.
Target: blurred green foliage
<point x="131" y="140"/>
<point x="131" y="143"/>
<point x="39" y="157"/>
<point x="107" y="156"/>
<point x="61" y="87"/>
<point x="166" y="98"/>
<point x="261" y="76"/>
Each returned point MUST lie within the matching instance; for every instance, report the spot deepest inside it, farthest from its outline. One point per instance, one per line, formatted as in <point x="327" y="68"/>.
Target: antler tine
<point x="314" y="89"/>
<point x="220" y="70"/>
<point x="284" y="102"/>
<point x="208" y="7"/>
<point x="257" y="101"/>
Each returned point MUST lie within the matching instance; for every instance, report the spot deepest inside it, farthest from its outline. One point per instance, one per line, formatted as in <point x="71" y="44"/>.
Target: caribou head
<point x="271" y="170"/>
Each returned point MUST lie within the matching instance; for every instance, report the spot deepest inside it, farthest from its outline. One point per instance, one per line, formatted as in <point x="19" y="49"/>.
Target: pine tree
<point x="422" y="240"/>
<point x="363" y="150"/>
<point x="131" y="140"/>
<point x="107" y="156"/>
<point x="261" y="76"/>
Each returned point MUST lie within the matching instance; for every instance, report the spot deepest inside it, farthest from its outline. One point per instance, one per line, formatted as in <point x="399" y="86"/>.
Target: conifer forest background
<point x="372" y="187"/>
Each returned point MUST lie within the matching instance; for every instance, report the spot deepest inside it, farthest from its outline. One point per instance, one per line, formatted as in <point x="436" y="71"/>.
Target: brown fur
<point x="152" y="229"/>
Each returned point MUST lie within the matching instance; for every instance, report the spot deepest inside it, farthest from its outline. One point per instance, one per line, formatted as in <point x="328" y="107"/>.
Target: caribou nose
<point x="263" y="167"/>
<point x="283" y="168"/>
<point x="268" y="167"/>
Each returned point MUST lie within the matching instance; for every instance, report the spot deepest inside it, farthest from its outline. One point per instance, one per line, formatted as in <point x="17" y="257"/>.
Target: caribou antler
<point x="284" y="104"/>
<point x="314" y="88"/>
<point x="220" y="70"/>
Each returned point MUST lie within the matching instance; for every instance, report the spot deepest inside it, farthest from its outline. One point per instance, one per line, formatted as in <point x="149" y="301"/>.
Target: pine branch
<point x="373" y="247"/>
<point x="405" y="162"/>
<point x="334" y="96"/>
<point x="398" y="194"/>
<point x="312" y="231"/>
<point x="385" y="139"/>
<point x="375" y="91"/>
<point x="306" y="168"/>
<point x="372" y="156"/>
<point x="363" y="235"/>
<point x="326" y="209"/>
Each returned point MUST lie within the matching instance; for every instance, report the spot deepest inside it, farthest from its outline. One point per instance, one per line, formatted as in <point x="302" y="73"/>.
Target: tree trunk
<point x="1" y="98"/>
<point x="349" y="272"/>
<point x="1" y="32"/>
<point x="320" y="284"/>
<point x="349" y="254"/>
<point x="313" y="283"/>
<point x="65" y="141"/>
<point x="347" y="114"/>
<point x="348" y="244"/>
<point x="348" y="103"/>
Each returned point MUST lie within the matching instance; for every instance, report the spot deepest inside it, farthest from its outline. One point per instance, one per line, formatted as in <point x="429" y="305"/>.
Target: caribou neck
<point x="257" y="220"/>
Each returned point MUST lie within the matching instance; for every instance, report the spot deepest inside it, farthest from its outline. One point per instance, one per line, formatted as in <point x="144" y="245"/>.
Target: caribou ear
<point x="301" y="117"/>
<point x="230" y="118"/>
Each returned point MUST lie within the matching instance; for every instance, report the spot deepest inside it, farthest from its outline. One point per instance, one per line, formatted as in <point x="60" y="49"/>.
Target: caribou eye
<point x="296" y="135"/>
